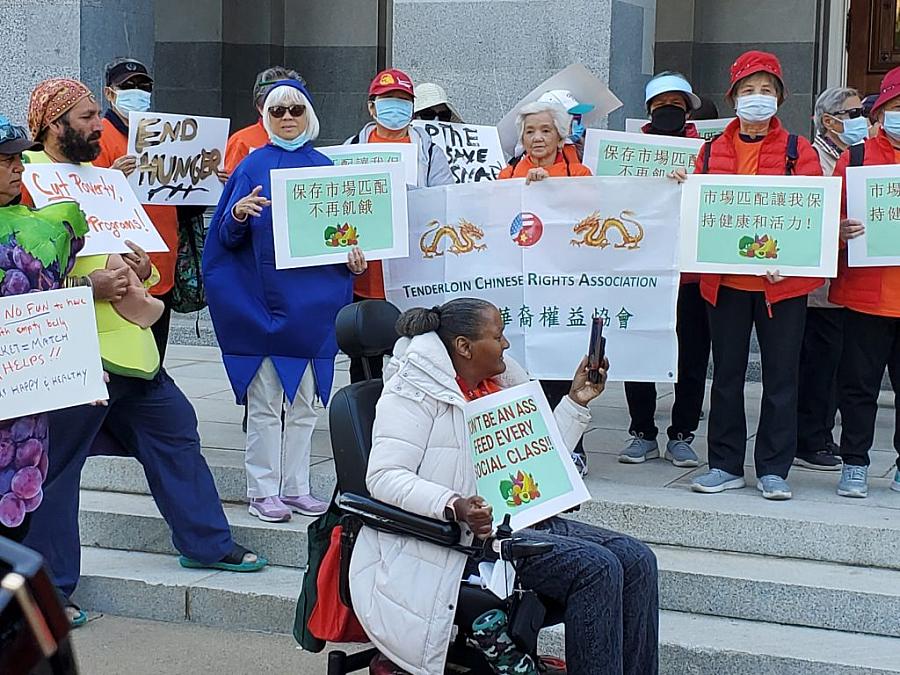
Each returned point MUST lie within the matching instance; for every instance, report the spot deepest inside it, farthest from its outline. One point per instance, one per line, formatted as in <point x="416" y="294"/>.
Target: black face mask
<point x="668" y="119"/>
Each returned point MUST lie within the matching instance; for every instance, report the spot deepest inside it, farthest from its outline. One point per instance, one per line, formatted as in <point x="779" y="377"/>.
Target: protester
<point x="840" y="122"/>
<point x="148" y="414"/>
<point x="574" y="139"/>
<point x="275" y="327"/>
<point x="872" y="318"/>
<point x="755" y="144"/>
<point x="707" y="110"/>
<point x="391" y="102"/>
<point x="431" y="103"/>
<point x="607" y="582"/>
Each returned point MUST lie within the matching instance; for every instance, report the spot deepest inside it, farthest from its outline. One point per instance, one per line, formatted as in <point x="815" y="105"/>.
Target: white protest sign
<point x="551" y="255"/>
<point x="473" y="151"/>
<point x="614" y="153"/>
<point x="177" y="157"/>
<point x="111" y="208"/>
<point x="522" y="465"/>
<point x="49" y="352"/>
<point x="873" y="198"/>
<point x="706" y="128"/>
<point x="406" y="154"/>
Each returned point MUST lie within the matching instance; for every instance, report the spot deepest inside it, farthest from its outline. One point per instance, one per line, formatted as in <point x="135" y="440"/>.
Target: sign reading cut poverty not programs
<point x="613" y="153"/>
<point x="873" y="198"/>
<point x="49" y="352"/>
<point x="177" y="157"/>
<point x="473" y="151"/>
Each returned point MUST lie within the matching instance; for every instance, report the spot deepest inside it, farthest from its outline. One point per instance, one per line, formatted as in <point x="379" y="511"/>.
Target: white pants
<point x="278" y="464"/>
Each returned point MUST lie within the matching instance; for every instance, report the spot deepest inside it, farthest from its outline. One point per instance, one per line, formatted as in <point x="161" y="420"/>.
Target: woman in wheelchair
<point x="405" y="590"/>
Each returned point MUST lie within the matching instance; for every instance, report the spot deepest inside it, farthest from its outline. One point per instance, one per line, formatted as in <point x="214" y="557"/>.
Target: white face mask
<point x="756" y="107"/>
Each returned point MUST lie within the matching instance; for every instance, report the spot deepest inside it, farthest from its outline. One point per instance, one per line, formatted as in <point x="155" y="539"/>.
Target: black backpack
<point x="790" y="162"/>
<point x="858" y="154"/>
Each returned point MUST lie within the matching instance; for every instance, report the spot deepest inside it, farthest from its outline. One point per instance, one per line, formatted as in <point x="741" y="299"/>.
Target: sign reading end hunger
<point x="49" y="352"/>
<point x="522" y="465"/>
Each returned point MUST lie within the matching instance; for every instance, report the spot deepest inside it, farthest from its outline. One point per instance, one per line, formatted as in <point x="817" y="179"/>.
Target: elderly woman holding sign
<point x="420" y="461"/>
<point x="275" y="327"/>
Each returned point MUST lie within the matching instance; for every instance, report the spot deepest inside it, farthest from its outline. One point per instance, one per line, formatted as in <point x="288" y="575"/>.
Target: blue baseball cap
<point x="665" y="83"/>
<point x="14" y="139"/>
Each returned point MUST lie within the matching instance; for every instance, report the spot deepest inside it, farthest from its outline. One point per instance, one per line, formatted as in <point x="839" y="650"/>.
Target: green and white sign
<point x="377" y="154"/>
<point x="873" y="197"/>
<point x="320" y="213"/>
<point x="614" y="153"/>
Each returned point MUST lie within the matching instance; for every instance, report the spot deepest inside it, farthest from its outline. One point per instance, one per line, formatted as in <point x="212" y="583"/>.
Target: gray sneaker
<point x="774" y="487"/>
<point x="639" y="450"/>
<point x="716" y="480"/>
<point x="680" y="453"/>
<point x="854" y="481"/>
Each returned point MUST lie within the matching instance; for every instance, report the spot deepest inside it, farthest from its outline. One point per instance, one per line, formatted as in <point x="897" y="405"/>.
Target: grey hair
<point x="561" y="119"/>
<point x="288" y="96"/>
<point x="267" y="77"/>
<point x="459" y="317"/>
<point x="829" y="102"/>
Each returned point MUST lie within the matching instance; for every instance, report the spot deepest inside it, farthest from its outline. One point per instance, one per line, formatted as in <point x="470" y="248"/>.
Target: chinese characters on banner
<point x="320" y="213"/>
<point x="551" y="255"/>
<point x="177" y="157"/>
<point x="706" y="128"/>
<point x="522" y="465"/>
<point x="759" y="224"/>
<point x="473" y="151"/>
<point x="113" y="213"/>
<point x="49" y="352"/>
<point x="377" y="154"/>
<point x="613" y="153"/>
<point x="873" y="197"/>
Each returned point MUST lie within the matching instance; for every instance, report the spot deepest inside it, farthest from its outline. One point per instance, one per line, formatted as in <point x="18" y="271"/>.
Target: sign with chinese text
<point x="49" y="352"/>
<point x="473" y="151"/>
<point x="113" y="213"/>
<point x="614" y="153"/>
<point x="706" y="128"/>
<point x="320" y="213"/>
<point x="522" y="465"/>
<point x="551" y="255"/>
<point x="873" y="198"/>
<point x="406" y="154"/>
<point x="177" y="157"/>
<point x="760" y="224"/>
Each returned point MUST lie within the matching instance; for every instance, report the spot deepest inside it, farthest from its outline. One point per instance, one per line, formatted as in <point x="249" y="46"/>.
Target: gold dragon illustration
<point x="594" y="232"/>
<point x="463" y="241"/>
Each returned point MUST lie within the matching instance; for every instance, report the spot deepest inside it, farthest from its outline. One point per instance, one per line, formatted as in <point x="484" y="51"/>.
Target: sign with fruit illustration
<point x="760" y="224"/>
<point x="320" y="213"/>
<point x="522" y="465"/>
<point x="873" y="198"/>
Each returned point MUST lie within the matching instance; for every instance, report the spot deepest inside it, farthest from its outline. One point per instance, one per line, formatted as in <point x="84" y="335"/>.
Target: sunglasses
<point x="429" y="115"/>
<point x="852" y="113"/>
<point x="143" y="85"/>
<point x="279" y="111"/>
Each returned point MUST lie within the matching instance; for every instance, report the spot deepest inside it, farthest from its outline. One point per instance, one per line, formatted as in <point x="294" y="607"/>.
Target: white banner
<point x="550" y="255"/>
<point x="49" y="352"/>
<point x="113" y="212"/>
<point x="177" y="157"/>
<point x="473" y="151"/>
<point x="378" y="154"/>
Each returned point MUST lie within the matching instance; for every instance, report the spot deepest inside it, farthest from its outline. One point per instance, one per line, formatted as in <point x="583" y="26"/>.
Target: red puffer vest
<point x="860" y="288"/>
<point x="772" y="161"/>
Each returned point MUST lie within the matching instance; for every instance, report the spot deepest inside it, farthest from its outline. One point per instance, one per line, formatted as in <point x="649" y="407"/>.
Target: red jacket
<point x="772" y="158"/>
<point x="861" y="288"/>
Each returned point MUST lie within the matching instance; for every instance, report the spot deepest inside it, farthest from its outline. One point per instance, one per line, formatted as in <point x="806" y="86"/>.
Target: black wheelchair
<point x="366" y="329"/>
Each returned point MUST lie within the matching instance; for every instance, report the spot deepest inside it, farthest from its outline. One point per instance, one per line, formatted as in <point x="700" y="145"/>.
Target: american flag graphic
<point x="526" y="229"/>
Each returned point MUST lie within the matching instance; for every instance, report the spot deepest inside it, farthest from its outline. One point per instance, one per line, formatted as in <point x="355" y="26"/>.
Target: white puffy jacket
<point x="405" y="591"/>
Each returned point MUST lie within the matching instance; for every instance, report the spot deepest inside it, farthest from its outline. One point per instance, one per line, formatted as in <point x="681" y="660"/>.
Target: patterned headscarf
<point x="51" y="99"/>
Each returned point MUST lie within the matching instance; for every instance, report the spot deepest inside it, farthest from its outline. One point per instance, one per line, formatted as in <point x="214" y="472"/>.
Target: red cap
<point x="753" y="62"/>
<point x="890" y="88"/>
<point x="391" y="80"/>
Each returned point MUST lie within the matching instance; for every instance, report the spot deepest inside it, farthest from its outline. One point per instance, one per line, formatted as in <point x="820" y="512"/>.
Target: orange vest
<point x="241" y="143"/>
<point x="563" y="166"/>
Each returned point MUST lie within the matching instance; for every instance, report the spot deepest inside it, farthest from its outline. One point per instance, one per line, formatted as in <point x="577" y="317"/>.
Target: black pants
<point x="870" y="343"/>
<point x="555" y="391"/>
<point x="692" y="329"/>
<point x="780" y="338"/>
<point x="823" y="341"/>
<point x="161" y="328"/>
<point x="357" y="372"/>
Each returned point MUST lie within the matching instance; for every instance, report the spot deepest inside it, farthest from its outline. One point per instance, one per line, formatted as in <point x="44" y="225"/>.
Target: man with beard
<point x="147" y="413"/>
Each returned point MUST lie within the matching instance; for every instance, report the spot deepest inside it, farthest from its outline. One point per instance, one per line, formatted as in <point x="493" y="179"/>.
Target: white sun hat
<point x="429" y="94"/>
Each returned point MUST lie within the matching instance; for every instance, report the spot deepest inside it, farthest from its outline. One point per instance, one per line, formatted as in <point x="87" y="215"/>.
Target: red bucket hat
<point x="752" y="62"/>
<point x="391" y="80"/>
<point x="890" y="89"/>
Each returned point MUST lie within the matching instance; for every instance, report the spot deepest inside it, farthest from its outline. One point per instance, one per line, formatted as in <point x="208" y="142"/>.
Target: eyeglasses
<point x="12" y="132"/>
<point x="143" y="85"/>
<point x="279" y="111"/>
<point x="852" y="113"/>
<point x="430" y="114"/>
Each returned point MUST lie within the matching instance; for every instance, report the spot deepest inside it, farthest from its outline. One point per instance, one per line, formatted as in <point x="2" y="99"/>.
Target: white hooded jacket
<point x="405" y="591"/>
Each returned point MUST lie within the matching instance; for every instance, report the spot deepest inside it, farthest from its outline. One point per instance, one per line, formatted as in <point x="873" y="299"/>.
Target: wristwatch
<point x="449" y="511"/>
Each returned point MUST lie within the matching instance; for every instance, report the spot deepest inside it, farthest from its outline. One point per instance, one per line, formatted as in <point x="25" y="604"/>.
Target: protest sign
<point x="320" y="213"/>
<point x="760" y="224"/>
<point x="177" y="157"/>
<point x="614" y="153"/>
<point x="377" y="153"/>
<point x="522" y="465"/>
<point x="551" y="255"/>
<point x="113" y="212"/>
<point x="873" y="198"/>
<point x="473" y="151"/>
<point x="706" y="128"/>
<point x="49" y="352"/>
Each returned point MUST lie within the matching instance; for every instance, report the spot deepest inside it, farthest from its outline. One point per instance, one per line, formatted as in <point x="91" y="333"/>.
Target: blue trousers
<point x="156" y="422"/>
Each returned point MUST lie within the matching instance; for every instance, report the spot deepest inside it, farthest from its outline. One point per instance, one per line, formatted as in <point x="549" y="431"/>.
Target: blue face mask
<point x="891" y="123"/>
<point x="756" y="107"/>
<point x="855" y="131"/>
<point x="393" y="113"/>
<point x="132" y="100"/>
<point x="578" y="130"/>
<point x="293" y="144"/>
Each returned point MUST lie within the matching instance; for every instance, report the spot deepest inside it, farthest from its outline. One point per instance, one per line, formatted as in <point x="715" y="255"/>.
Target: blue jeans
<point x="607" y="583"/>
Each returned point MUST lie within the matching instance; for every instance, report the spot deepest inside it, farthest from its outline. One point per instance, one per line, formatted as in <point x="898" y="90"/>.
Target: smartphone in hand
<point x="596" y="350"/>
